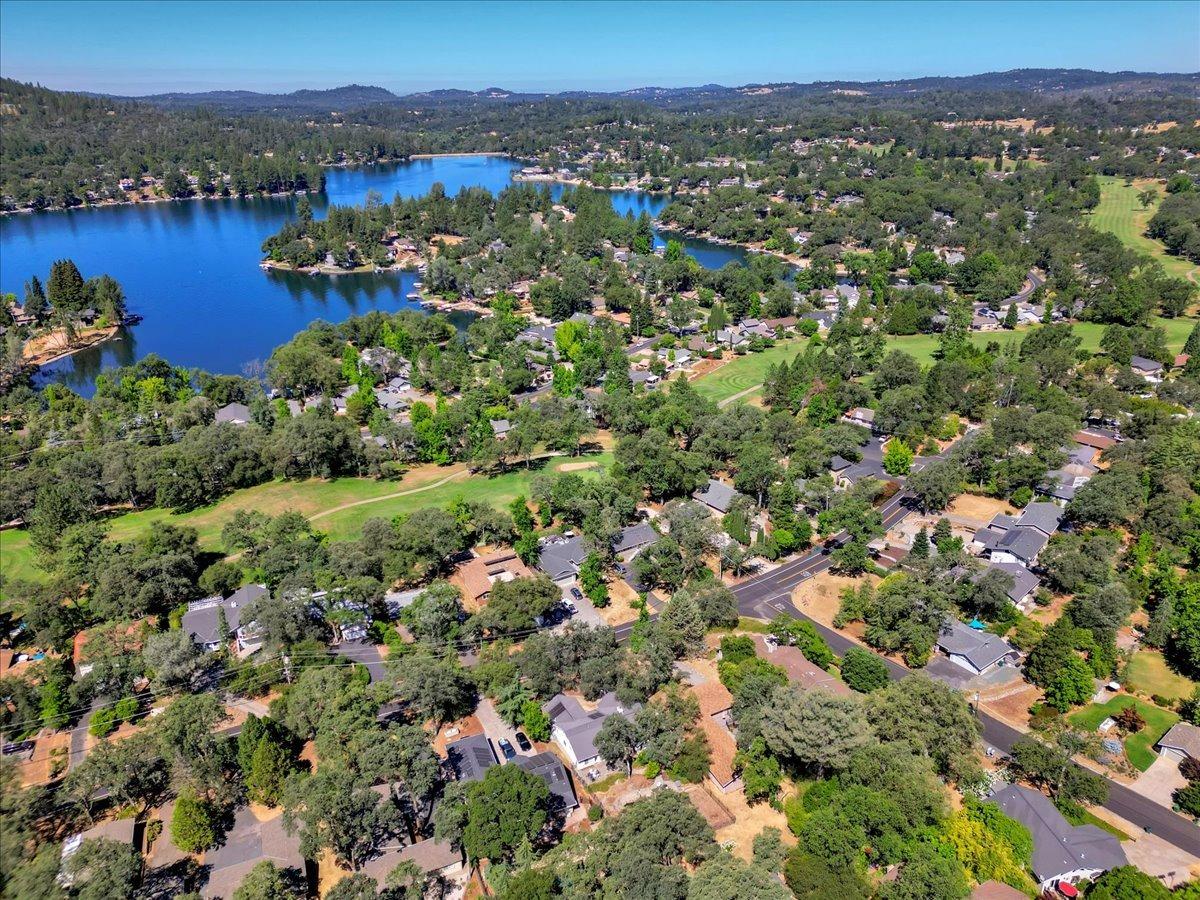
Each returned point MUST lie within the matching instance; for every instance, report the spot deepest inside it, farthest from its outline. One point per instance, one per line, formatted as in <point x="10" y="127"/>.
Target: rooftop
<point x="980" y="648"/>
<point x="1059" y="848"/>
<point x="716" y="494"/>
<point x="471" y="757"/>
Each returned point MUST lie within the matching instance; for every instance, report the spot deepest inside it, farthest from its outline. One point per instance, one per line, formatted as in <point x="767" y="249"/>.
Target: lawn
<point x="338" y="506"/>
<point x="1148" y="673"/>
<point x="745" y="372"/>
<point x="923" y="346"/>
<point x="1121" y="214"/>
<point x="1139" y="747"/>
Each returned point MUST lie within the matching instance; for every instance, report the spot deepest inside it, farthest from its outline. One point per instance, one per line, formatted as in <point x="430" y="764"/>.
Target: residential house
<point x="823" y="317"/>
<point x="800" y="672"/>
<point x="500" y="428"/>
<point x="433" y="857"/>
<point x="120" y="830"/>
<point x="471" y="757"/>
<point x="1021" y="541"/>
<point x="574" y="729"/>
<point x="1098" y="437"/>
<point x="538" y="335"/>
<point x="248" y="843"/>
<point x="643" y="377"/>
<point x="383" y="360"/>
<point x="481" y="572"/>
<point x="203" y="620"/>
<point x="561" y="557"/>
<point x="1024" y="585"/>
<point x="233" y="413"/>
<point x="716" y="704"/>
<point x="997" y="890"/>
<point x="1061" y="851"/>
<point x="1149" y="369"/>
<point x="783" y="325"/>
<point x="1181" y="740"/>
<point x="731" y="337"/>
<point x="634" y="538"/>
<point x="862" y="416"/>
<point x="716" y="495"/>
<point x="550" y="769"/>
<point x="974" y="649"/>
<point x="757" y="327"/>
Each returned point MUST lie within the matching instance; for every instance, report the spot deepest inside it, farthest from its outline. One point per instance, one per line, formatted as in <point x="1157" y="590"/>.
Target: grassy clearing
<point x="327" y="503"/>
<point x="923" y="346"/>
<point x="1148" y="673"/>
<point x="1139" y="747"/>
<point x="745" y="372"/>
<point x="1121" y="214"/>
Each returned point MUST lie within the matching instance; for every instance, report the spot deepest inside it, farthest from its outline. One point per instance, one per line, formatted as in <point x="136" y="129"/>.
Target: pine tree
<point x="65" y="289"/>
<point x="942" y="532"/>
<point x="1191" y="348"/>
<point x="1010" y="317"/>
<point x="36" y="304"/>
<point x="920" y="547"/>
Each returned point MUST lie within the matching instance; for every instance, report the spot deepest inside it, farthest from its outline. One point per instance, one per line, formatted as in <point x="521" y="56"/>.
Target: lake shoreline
<point x="92" y="337"/>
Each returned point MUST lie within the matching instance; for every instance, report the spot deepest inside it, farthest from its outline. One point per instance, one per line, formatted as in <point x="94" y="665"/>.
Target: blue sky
<point x="137" y="48"/>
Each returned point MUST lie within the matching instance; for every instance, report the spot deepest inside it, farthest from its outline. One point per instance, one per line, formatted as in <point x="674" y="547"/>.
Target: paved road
<point x="770" y="594"/>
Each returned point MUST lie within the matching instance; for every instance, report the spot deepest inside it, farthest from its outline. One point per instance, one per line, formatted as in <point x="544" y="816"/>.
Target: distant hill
<point x="350" y="96"/>
<point x="355" y="96"/>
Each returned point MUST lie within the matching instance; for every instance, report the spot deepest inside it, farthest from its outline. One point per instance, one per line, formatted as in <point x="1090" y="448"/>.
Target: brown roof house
<point x="715" y="703"/>
<point x="481" y="572"/>
<point x="800" y="671"/>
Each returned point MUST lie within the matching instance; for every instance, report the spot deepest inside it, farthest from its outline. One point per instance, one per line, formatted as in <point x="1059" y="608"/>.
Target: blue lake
<point x="191" y="267"/>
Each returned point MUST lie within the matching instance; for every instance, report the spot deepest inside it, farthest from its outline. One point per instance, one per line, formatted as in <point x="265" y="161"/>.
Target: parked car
<point x="523" y="742"/>
<point x="577" y="593"/>
<point x="570" y="607"/>
<point x="506" y="748"/>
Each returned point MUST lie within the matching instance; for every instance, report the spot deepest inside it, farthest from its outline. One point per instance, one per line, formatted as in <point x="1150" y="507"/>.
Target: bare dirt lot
<point x="619" y="609"/>
<point x="820" y="596"/>
<point x="971" y="507"/>
<point x="749" y="823"/>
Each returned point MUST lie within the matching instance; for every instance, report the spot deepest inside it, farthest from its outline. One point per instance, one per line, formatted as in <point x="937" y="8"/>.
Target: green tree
<point x="897" y="457"/>
<point x="863" y="670"/>
<point x="725" y="876"/>
<point x="193" y="823"/>
<point x="1127" y="883"/>
<point x="102" y="869"/>
<point x="505" y="809"/>
<point x="537" y="723"/>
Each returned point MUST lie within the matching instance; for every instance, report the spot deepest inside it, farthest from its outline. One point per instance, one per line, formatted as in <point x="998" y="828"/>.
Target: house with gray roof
<point x="561" y="557"/>
<point x="249" y="842"/>
<point x="716" y="495"/>
<point x="1020" y="545"/>
<point x="823" y="317"/>
<point x="500" y="428"/>
<point x="537" y="335"/>
<point x="471" y="757"/>
<point x="1181" y="740"/>
<point x="1149" y="369"/>
<point x="550" y="769"/>
<point x="233" y="413"/>
<point x="1042" y="516"/>
<point x="1061" y="851"/>
<point x="973" y="649"/>
<point x="203" y="619"/>
<point x="433" y="857"/>
<point x="574" y="729"/>
<point x="1024" y="582"/>
<point x="633" y="538"/>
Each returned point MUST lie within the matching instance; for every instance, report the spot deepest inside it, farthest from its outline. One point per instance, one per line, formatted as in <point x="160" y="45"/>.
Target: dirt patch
<point x="580" y="466"/>
<point x="52" y="345"/>
<point x="971" y="507"/>
<point x="620" y="603"/>
<point x="714" y="809"/>
<point x="820" y="596"/>
<point x="705" y="367"/>
<point x="749" y="821"/>
<point x="1011" y="704"/>
<point x="50" y="752"/>
<point x="465" y="727"/>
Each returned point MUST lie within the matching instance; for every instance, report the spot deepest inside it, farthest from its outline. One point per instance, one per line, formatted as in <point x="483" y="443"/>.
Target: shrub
<point x="1190" y="768"/>
<point x="1187" y="798"/>
<point x="863" y="670"/>
<point x="192" y="825"/>
<point x="595" y="812"/>
<point x="736" y="648"/>
<point x="1021" y="496"/>
<point x="692" y="763"/>
<point x="1130" y="720"/>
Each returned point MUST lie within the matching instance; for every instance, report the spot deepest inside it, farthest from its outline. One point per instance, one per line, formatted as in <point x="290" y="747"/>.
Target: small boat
<point x="414" y="296"/>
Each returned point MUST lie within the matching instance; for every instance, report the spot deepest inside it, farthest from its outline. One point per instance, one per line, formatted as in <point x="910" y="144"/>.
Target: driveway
<point x="1159" y="781"/>
<point x="495" y="727"/>
<point x="587" y="612"/>
<point x="366" y="654"/>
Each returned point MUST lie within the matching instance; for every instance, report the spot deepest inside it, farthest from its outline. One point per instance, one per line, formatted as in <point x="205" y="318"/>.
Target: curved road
<point x="769" y="594"/>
